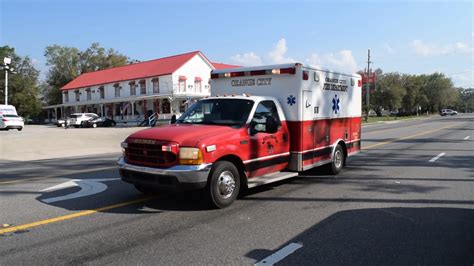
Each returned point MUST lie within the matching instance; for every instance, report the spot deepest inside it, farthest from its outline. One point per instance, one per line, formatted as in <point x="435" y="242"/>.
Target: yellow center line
<point x="408" y="137"/>
<point x="71" y="216"/>
<point x="53" y="176"/>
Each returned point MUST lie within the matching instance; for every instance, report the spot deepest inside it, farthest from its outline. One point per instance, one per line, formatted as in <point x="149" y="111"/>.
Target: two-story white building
<point x="164" y="86"/>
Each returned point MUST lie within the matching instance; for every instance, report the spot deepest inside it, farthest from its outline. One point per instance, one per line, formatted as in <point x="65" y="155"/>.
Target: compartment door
<point x="308" y="128"/>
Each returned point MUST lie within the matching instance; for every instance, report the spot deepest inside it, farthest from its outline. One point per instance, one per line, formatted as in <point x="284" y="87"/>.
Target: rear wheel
<point x="94" y="125"/>
<point x="20" y="129"/>
<point x="223" y="184"/>
<point x="337" y="160"/>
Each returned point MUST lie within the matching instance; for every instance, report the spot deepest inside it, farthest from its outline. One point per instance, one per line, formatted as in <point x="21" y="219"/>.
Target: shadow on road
<point x="386" y="236"/>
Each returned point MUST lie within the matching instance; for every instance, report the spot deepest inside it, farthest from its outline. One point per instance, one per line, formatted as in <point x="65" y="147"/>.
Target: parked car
<point x="99" y="122"/>
<point x="11" y="121"/>
<point x="445" y="112"/>
<point x="61" y="122"/>
<point x="9" y="118"/>
<point x="77" y="118"/>
<point x="394" y="113"/>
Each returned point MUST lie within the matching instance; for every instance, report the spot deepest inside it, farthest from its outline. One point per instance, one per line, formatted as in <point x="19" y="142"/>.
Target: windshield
<point x="229" y="112"/>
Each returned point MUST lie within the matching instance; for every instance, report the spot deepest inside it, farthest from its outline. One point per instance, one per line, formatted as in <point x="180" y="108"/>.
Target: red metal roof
<point x="157" y="67"/>
<point x="223" y="66"/>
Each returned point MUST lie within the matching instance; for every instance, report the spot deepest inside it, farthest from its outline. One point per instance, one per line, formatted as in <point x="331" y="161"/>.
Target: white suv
<point x="448" y="112"/>
<point x="77" y="119"/>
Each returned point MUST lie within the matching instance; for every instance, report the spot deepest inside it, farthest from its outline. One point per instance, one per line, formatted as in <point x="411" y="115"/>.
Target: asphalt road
<point x="398" y="202"/>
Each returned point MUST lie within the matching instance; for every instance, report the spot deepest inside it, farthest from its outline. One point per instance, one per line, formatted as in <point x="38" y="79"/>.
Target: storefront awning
<point x="183" y="78"/>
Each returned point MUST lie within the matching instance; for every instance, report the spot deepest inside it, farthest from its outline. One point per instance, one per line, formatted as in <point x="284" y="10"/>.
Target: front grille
<point x="150" y="155"/>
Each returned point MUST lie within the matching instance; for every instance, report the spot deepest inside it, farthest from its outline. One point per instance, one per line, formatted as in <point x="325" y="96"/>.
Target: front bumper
<point x="178" y="177"/>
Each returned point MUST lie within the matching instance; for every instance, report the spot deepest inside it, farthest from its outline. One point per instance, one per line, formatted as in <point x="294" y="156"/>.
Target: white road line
<point x="437" y="157"/>
<point x="280" y="254"/>
<point x="466" y="138"/>
<point x="88" y="187"/>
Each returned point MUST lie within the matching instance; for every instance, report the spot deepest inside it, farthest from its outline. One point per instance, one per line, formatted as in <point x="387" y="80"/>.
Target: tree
<point x="23" y="90"/>
<point x="466" y="100"/>
<point x="67" y="63"/>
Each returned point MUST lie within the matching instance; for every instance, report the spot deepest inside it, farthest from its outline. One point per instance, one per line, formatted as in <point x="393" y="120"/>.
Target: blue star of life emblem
<point x="335" y="104"/>
<point x="291" y="100"/>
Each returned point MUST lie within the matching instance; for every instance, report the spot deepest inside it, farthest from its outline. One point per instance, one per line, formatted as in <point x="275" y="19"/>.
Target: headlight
<point x="190" y="156"/>
<point x="124" y="145"/>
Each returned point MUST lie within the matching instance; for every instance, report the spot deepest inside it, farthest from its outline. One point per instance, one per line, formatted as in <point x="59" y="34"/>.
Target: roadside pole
<point x="367" y="88"/>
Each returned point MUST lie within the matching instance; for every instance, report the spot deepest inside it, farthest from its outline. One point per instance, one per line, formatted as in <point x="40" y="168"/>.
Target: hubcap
<point x="338" y="159"/>
<point x="226" y="184"/>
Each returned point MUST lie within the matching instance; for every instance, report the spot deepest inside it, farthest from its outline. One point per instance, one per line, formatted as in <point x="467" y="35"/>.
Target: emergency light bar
<point x="280" y="71"/>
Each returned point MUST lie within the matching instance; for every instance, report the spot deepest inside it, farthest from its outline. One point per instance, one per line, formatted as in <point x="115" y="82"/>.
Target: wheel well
<point x="344" y="149"/>
<point x="240" y="167"/>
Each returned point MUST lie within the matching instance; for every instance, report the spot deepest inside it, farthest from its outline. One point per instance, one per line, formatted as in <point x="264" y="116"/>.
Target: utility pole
<point x="8" y="69"/>
<point x="367" y="88"/>
<point x="6" y="86"/>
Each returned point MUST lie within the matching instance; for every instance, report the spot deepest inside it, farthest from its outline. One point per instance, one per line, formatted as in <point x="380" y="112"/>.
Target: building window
<point x="117" y="90"/>
<point x="102" y="92"/>
<point x="182" y="86"/>
<point x="133" y="88"/>
<point x="156" y="85"/>
<point x="165" y="107"/>
<point x="89" y="94"/>
<point x="66" y="97"/>
<point x="142" y="87"/>
<point x="78" y="95"/>
<point x="197" y="86"/>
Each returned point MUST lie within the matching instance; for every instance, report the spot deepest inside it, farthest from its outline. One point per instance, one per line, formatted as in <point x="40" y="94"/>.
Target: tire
<point x="338" y="160"/>
<point x="223" y="184"/>
<point x="145" y="190"/>
<point x="94" y="125"/>
<point x="20" y="129"/>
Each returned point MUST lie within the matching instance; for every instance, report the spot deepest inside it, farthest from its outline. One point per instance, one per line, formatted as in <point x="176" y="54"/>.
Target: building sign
<point x="333" y="84"/>
<point x="251" y="82"/>
<point x="372" y="78"/>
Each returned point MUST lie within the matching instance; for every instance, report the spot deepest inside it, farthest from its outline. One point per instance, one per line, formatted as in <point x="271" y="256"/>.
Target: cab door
<point x="269" y="151"/>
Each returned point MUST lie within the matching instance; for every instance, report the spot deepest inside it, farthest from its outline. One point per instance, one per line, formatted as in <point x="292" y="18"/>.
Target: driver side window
<point x="263" y="111"/>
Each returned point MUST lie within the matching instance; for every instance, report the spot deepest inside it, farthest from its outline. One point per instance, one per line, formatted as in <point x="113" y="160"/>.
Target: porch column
<point x="102" y="110"/>
<point x="133" y="111"/>
<point x="113" y="111"/>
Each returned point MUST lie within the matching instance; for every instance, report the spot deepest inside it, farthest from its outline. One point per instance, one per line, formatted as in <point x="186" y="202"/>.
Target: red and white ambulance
<point x="261" y="125"/>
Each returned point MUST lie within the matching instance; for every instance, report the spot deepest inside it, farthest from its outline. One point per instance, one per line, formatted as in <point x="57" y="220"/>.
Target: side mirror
<point x="173" y="119"/>
<point x="271" y="125"/>
<point x="251" y="130"/>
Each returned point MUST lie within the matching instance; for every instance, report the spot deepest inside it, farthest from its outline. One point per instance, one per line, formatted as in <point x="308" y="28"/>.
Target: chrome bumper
<point x="184" y="174"/>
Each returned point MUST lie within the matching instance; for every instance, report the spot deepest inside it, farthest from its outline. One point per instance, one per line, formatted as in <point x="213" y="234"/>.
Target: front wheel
<point x="145" y="190"/>
<point x="337" y="160"/>
<point x="223" y="184"/>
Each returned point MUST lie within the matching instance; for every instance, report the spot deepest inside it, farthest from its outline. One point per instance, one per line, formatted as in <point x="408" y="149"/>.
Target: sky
<point x="413" y="37"/>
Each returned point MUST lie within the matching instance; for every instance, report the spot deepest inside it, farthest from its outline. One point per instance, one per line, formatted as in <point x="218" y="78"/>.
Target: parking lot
<point x="37" y="142"/>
